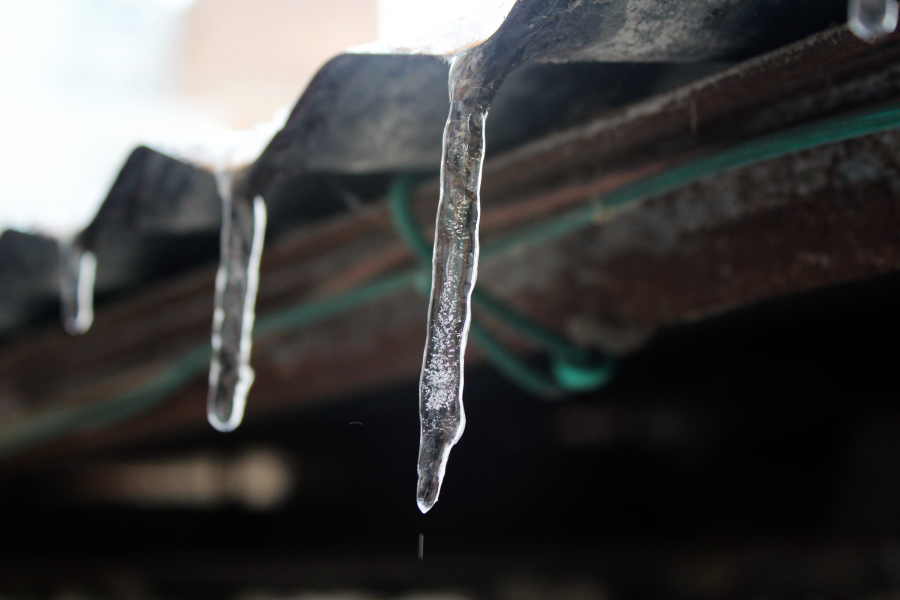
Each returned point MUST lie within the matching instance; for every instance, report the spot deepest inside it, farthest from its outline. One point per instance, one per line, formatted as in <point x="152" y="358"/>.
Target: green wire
<point x="805" y="137"/>
<point x="41" y="427"/>
<point x="98" y="415"/>
<point x="532" y="380"/>
<point x="404" y="221"/>
<point x="409" y="230"/>
<point x="575" y="369"/>
<point x="317" y="310"/>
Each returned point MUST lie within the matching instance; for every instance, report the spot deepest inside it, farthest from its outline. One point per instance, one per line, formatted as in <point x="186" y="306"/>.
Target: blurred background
<point x="748" y="446"/>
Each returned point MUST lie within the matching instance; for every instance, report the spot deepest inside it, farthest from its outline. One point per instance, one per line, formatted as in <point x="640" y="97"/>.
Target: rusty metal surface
<point x="824" y="216"/>
<point x="385" y="113"/>
<point x="364" y="113"/>
<point x="815" y="218"/>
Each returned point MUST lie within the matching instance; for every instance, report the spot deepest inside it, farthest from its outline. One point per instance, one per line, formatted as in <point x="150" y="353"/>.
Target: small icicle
<point x="77" y="270"/>
<point x="871" y="20"/>
<point x="230" y="374"/>
<point x="474" y="78"/>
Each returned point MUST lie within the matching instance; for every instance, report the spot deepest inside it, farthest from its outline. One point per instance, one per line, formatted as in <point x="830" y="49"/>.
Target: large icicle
<point x="474" y="78"/>
<point x="230" y="374"/>
<point x="77" y="270"/>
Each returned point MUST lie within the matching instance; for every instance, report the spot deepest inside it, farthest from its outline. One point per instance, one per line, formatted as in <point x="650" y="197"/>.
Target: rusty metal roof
<point x="804" y="220"/>
<point x="369" y="114"/>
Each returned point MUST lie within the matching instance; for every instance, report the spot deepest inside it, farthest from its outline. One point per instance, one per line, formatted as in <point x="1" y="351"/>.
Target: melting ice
<point x="77" y="269"/>
<point x="474" y="78"/>
<point x="230" y="374"/>
<point x="872" y="19"/>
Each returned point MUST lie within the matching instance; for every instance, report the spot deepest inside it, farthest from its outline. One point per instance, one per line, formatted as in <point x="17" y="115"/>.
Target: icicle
<point x="230" y="374"/>
<point x="872" y="19"/>
<point x="77" y="270"/>
<point x="473" y="80"/>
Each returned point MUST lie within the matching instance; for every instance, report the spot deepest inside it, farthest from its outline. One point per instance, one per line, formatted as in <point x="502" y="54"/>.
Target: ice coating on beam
<point x="220" y="149"/>
<point x="77" y="271"/>
<point x="237" y="280"/>
<point x="437" y="29"/>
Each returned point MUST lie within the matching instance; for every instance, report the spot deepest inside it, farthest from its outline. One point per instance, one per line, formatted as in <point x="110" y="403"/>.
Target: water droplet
<point x="871" y="20"/>
<point x="230" y="374"/>
<point x="77" y="270"/>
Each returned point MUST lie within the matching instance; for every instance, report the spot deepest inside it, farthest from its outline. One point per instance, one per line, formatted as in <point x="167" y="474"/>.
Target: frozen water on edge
<point x="77" y="271"/>
<point x="237" y="281"/>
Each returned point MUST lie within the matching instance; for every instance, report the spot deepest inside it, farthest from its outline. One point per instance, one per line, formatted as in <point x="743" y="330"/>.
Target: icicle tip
<point x="425" y="504"/>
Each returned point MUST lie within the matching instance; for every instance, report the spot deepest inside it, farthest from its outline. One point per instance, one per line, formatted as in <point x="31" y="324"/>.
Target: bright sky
<point x="85" y="81"/>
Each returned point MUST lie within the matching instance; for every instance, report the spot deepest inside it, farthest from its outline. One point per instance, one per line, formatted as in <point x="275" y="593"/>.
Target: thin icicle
<point x="77" y="270"/>
<point x="473" y="80"/>
<point x="871" y="20"/>
<point x="230" y="374"/>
